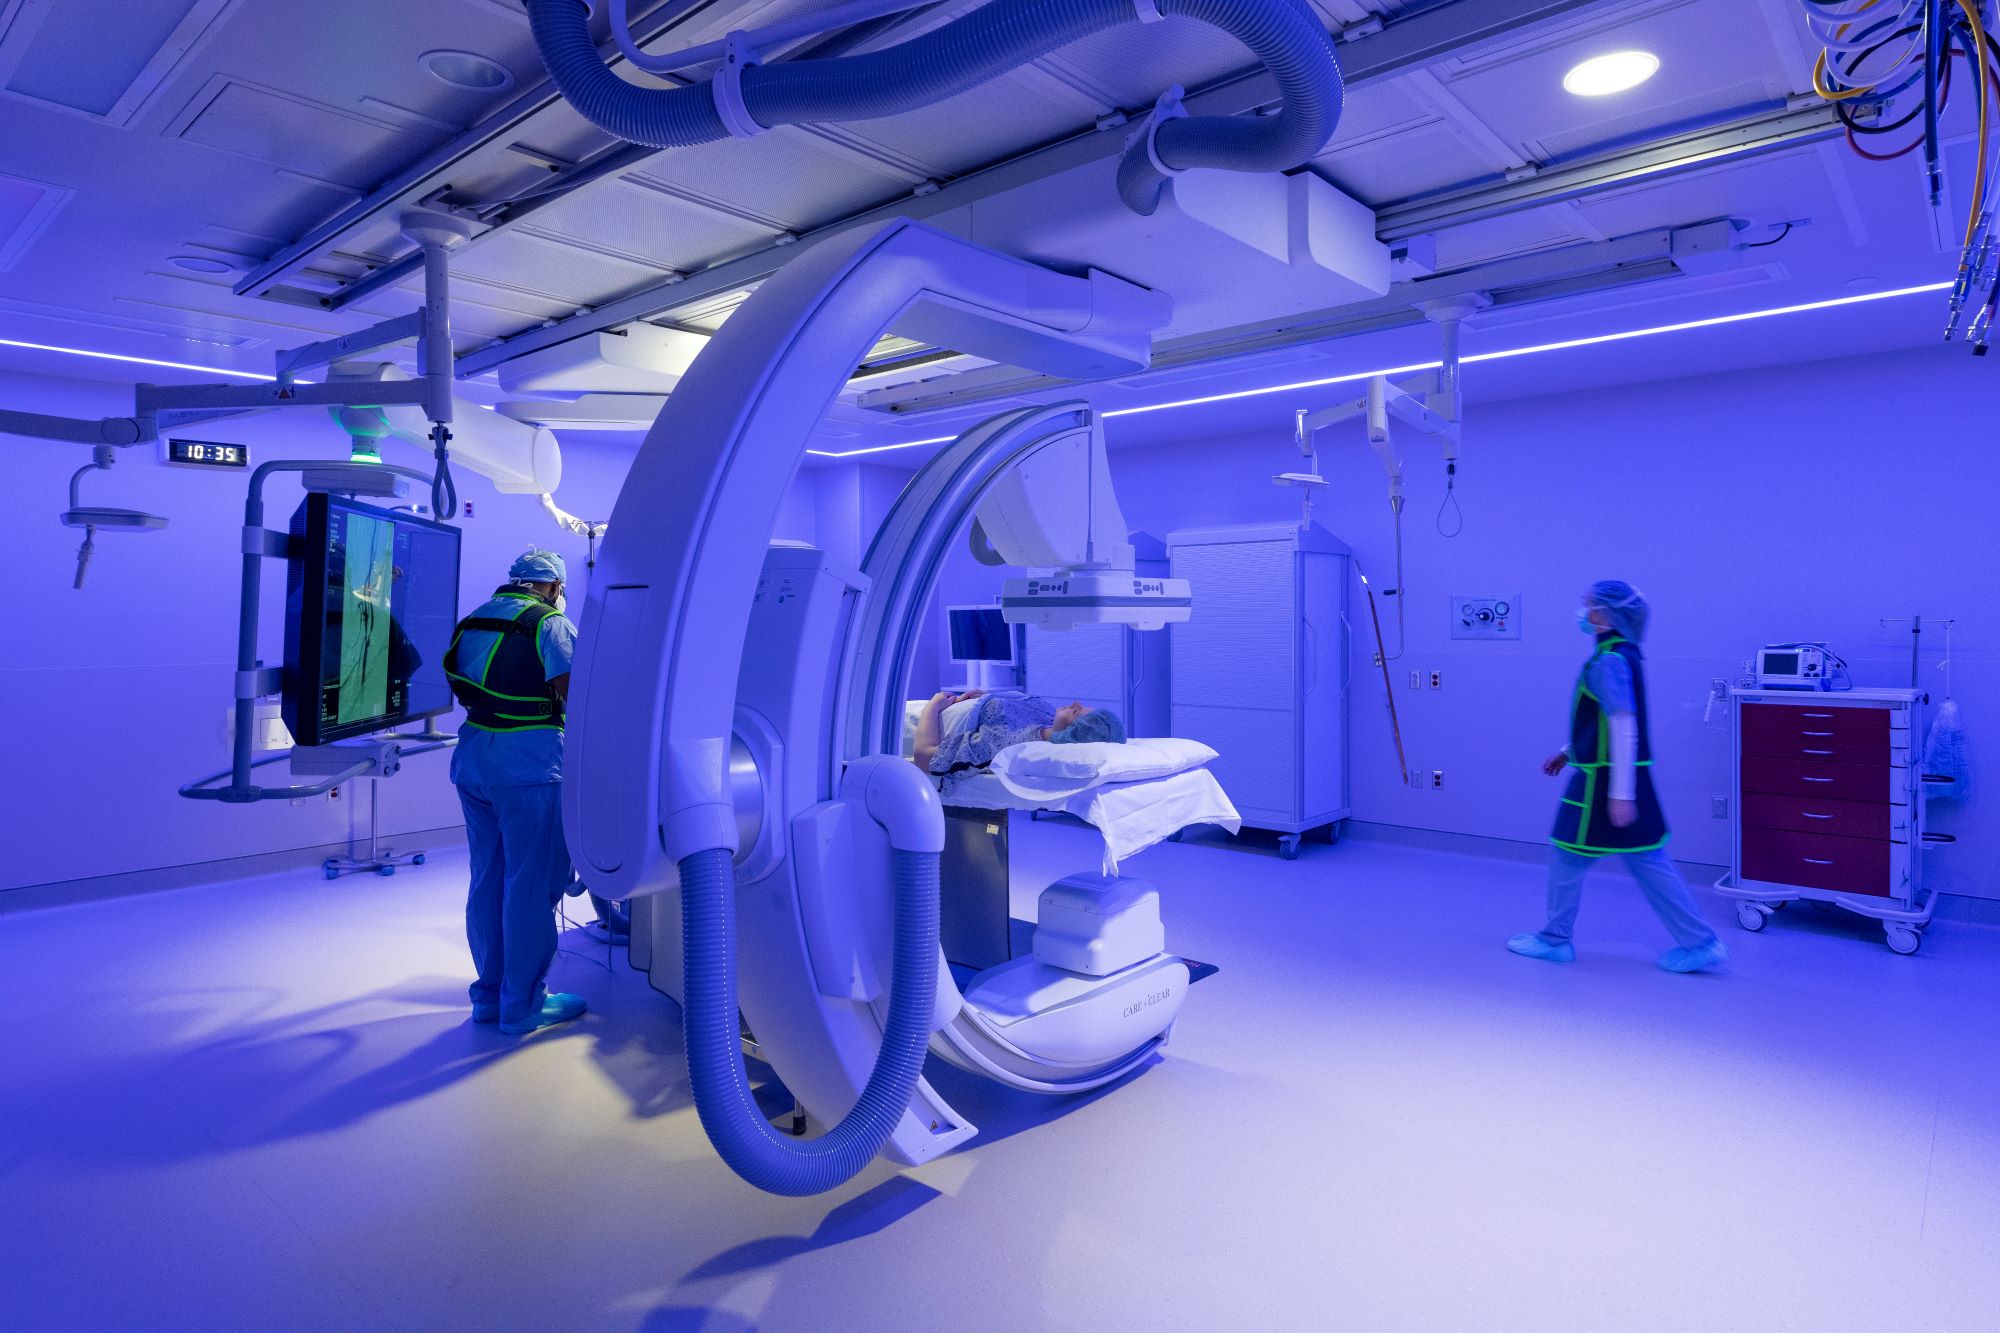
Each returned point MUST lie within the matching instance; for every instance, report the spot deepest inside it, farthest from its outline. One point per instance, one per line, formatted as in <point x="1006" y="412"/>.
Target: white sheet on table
<point x="1131" y="816"/>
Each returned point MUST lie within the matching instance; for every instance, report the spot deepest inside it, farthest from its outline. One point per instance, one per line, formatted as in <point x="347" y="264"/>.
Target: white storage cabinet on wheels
<point x="1260" y="671"/>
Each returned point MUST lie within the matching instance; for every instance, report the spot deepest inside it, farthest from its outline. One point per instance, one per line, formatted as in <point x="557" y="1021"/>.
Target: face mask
<point x="1583" y="622"/>
<point x="562" y="604"/>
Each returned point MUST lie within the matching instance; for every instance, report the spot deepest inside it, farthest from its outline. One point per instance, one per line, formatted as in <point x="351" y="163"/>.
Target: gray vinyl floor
<point x="259" y="1106"/>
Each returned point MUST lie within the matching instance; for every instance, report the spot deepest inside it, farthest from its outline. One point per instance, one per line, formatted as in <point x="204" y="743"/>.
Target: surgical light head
<point x="1624" y="604"/>
<point x="536" y="565"/>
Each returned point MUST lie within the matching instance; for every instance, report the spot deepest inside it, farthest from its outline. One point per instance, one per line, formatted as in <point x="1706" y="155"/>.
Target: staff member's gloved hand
<point x="1556" y="763"/>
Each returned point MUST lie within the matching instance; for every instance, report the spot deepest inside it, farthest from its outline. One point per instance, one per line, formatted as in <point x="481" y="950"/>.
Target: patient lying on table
<point x="960" y="731"/>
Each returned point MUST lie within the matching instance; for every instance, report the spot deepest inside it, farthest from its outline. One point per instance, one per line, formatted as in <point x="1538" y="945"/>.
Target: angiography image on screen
<point x="367" y="627"/>
<point x="373" y="601"/>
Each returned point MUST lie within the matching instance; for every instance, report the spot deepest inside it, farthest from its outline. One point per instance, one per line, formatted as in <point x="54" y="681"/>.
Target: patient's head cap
<point x="1096" y="725"/>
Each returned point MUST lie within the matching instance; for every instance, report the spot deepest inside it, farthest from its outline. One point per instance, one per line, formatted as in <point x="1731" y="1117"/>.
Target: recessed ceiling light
<point x="464" y="69"/>
<point x="199" y="264"/>
<point x="1600" y="76"/>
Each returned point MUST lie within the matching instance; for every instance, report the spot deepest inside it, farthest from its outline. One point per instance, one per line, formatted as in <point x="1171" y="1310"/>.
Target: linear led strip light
<point x="1501" y="355"/>
<point x="134" y="360"/>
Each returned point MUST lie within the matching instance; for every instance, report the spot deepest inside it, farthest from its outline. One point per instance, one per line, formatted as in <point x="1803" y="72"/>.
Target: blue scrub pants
<point x="1667" y="893"/>
<point x="520" y="867"/>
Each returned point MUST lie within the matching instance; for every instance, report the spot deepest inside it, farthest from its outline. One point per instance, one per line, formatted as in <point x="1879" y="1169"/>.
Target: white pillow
<point x="1045" y="764"/>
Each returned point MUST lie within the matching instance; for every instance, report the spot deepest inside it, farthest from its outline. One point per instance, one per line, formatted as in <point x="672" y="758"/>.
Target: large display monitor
<point x="979" y="634"/>
<point x="371" y="603"/>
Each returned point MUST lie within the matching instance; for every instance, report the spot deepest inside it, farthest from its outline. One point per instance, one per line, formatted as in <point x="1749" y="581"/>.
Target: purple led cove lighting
<point x="134" y="360"/>
<point x="1501" y="355"/>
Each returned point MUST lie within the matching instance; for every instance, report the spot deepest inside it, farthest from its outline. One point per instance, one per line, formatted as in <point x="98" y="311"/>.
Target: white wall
<point x="117" y="694"/>
<point x="1803" y="502"/>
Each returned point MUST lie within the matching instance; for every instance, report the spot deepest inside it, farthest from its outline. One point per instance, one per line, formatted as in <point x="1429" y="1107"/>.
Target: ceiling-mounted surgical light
<point x="468" y="70"/>
<point x="1614" y="72"/>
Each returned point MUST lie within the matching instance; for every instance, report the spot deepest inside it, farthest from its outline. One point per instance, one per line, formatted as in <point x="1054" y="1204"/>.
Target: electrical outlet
<point x="1719" y="806"/>
<point x="467" y="508"/>
<point x="1437" y="779"/>
<point x="1416" y="680"/>
<point x="1437" y="680"/>
<point x="1416" y="779"/>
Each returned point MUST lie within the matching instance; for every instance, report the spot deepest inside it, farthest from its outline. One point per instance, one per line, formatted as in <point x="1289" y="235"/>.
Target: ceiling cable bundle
<point x="1896" y="58"/>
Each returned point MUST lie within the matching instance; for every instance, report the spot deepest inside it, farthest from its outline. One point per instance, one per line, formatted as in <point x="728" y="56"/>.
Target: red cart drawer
<point x="1821" y="749"/>
<point x="1817" y="861"/>
<point x="1808" y="722"/>
<point x="1838" y="782"/>
<point x="1808" y="814"/>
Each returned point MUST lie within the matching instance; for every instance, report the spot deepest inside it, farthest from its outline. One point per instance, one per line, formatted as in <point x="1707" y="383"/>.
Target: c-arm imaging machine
<point x="736" y="711"/>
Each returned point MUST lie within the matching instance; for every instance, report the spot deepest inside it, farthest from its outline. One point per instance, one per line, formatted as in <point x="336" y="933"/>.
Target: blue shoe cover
<point x="1534" y="946"/>
<point x="1700" y="958"/>
<point x="486" y="1013"/>
<point x="556" y="1008"/>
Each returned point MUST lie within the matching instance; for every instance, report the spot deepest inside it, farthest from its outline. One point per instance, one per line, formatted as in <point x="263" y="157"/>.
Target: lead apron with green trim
<point x="1583" y="820"/>
<point x="509" y="691"/>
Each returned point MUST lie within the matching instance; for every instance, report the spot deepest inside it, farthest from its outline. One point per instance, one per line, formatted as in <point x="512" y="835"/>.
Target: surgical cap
<point x="535" y="565"/>
<point x="1096" y="725"/>
<point x="1625" y="604"/>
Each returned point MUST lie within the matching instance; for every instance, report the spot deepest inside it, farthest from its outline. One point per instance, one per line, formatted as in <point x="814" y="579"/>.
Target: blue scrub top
<point x="1609" y="677"/>
<point x="514" y="758"/>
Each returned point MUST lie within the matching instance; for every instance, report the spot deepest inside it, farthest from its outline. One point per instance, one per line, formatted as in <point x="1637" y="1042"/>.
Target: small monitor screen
<point x="371" y="605"/>
<point x="980" y="634"/>
<point x="1781" y="664"/>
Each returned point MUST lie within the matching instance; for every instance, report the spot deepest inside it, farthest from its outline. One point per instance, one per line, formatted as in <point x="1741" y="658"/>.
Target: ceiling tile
<point x="786" y="180"/>
<point x="1517" y="90"/>
<point x="296" y="133"/>
<point x="650" y="226"/>
<point x="993" y="121"/>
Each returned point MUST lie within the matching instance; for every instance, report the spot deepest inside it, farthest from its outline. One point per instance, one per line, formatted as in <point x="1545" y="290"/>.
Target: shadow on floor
<point x="265" y="1079"/>
<point x="865" y="1214"/>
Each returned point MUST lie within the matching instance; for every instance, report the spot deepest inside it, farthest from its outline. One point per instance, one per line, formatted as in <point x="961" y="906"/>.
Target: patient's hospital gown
<point x="974" y="731"/>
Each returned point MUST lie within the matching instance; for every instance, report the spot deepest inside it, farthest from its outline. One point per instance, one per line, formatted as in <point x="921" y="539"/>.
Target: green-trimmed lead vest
<point x="1583" y="821"/>
<point x="508" y="689"/>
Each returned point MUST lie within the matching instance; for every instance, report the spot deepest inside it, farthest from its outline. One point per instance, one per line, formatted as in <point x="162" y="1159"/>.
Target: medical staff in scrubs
<point x="1610" y="808"/>
<point x="509" y="665"/>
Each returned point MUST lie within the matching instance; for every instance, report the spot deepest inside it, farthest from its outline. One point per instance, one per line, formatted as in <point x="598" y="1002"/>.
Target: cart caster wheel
<point x="385" y="870"/>
<point x="1289" y="848"/>
<point x="417" y="860"/>
<point x="1751" y="916"/>
<point x="1902" y="939"/>
<point x="331" y="873"/>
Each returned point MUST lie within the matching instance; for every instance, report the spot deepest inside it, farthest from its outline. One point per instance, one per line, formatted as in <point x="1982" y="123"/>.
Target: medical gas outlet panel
<point x="1485" y="617"/>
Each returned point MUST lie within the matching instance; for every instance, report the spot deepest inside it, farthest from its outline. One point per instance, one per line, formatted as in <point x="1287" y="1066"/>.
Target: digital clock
<point x="204" y="454"/>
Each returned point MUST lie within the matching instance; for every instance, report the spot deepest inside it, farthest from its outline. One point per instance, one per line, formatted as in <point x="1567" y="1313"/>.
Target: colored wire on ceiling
<point x="1886" y="65"/>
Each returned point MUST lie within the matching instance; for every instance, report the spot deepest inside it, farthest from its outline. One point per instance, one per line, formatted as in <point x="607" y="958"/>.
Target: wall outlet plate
<point x="1485" y="616"/>
<point x="1437" y="779"/>
<point x="1719" y="806"/>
